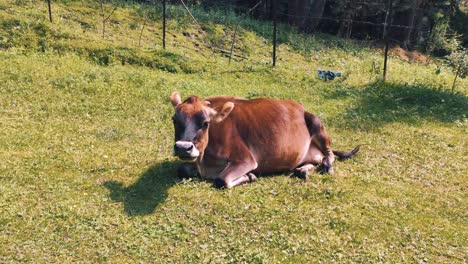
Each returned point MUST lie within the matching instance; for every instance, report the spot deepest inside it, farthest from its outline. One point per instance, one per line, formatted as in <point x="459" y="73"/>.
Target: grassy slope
<point x="86" y="172"/>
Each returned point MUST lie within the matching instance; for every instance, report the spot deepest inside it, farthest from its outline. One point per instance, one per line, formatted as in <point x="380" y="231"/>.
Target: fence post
<point x="164" y="24"/>
<point x="273" y="7"/>
<point x="388" y="17"/>
<point x="456" y="75"/>
<point x="50" y="11"/>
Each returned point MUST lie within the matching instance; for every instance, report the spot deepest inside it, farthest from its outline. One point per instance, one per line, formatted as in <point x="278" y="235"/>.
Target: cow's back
<point x="274" y="131"/>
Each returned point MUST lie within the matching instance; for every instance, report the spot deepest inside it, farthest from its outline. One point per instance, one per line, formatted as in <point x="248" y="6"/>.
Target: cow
<point x="232" y="140"/>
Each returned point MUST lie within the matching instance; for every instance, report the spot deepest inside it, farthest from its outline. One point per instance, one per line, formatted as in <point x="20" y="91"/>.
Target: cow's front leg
<point x="303" y="171"/>
<point x="249" y="177"/>
<point x="236" y="173"/>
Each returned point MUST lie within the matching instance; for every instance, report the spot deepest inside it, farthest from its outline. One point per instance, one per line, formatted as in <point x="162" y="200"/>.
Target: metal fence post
<point x="50" y="11"/>
<point x="388" y="18"/>
<point x="273" y="7"/>
<point x="164" y="24"/>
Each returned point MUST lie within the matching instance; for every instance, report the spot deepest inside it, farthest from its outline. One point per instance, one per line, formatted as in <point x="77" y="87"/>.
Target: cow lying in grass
<point x="232" y="139"/>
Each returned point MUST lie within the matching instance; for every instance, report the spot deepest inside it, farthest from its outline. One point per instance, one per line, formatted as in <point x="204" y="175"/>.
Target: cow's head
<point x="192" y="121"/>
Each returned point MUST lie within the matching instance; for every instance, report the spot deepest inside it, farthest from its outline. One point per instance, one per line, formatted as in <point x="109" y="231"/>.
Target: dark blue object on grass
<point x="327" y="75"/>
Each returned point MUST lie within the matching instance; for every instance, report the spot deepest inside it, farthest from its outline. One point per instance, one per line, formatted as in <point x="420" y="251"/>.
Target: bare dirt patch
<point x="411" y="56"/>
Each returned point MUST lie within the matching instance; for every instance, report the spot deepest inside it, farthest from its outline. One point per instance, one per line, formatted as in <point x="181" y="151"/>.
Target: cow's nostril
<point x="185" y="149"/>
<point x="190" y="148"/>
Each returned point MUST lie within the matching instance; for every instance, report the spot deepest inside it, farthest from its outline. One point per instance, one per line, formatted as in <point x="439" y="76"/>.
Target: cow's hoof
<point x="326" y="169"/>
<point x="185" y="171"/>
<point x="219" y="184"/>
<point x="301" y="174"/>
<point x="252" y="177"/>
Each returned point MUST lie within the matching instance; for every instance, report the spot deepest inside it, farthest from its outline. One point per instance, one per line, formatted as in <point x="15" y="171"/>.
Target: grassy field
<point x="86" y="166"/>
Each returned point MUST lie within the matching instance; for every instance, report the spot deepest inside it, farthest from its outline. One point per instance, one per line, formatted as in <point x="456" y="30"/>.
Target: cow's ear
<point x="175" y="99"/>
<point x="211" y="112"/>
<point x="225" y="111"/>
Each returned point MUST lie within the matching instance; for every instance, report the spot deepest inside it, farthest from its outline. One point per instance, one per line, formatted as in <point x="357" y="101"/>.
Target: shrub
<point x="459" y="62"/>
<point x="441" y="39"/>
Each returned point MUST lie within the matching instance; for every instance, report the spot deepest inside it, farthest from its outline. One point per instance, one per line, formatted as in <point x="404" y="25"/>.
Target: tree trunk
<point x="301" y="7"/>
<point x="455" y="80"/>
<point x="292" y="12"/>
<point x="346" y="25"/>
<point x="316" y="12"/>
<point x="410" y="23"/>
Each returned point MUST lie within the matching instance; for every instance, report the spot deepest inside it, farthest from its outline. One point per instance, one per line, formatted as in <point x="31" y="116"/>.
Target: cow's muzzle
<point x="186" y="150"/>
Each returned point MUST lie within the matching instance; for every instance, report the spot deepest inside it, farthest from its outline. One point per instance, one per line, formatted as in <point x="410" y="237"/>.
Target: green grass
<point x="87" y="173"/>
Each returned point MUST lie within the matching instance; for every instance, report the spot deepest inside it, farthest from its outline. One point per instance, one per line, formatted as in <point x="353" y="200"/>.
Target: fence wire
<point x="386" y="11"/>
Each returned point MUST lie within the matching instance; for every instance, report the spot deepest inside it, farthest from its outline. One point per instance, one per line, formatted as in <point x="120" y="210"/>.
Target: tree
<point x="104" y="18"/>
<point x="306" y="14"/>
<point x="409" y="22"/>
<point x="459" y="61"/>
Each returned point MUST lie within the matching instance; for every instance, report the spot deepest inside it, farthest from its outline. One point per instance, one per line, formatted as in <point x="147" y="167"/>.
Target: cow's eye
<point x="205" y="124"/>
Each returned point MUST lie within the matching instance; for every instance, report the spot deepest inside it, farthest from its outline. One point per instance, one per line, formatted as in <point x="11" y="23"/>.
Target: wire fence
<point x="385" y="11"/>
<point x="386" y="25"/>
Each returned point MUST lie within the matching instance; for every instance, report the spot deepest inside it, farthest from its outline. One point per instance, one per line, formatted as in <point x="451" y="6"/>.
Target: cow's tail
<point x="346" y="155"/>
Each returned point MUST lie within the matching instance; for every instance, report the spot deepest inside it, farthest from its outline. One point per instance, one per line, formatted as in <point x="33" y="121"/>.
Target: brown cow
<point x="231" y="139"/>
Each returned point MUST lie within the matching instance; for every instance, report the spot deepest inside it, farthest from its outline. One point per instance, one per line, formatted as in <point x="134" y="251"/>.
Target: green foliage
<point x="459" y="61"/>
<point x="459" y="22"/>
<point x="216" y="35"/>
<point x="19" y="33"/>
<point x="161" y="60"/>
<point x="441" y="38"/>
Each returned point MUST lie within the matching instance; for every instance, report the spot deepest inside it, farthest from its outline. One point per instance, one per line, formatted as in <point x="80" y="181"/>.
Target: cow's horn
<point x="175" y="99"/>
